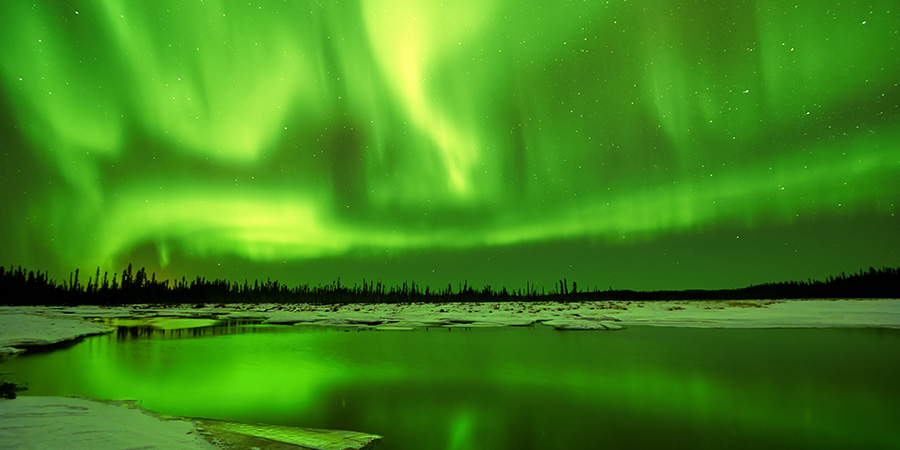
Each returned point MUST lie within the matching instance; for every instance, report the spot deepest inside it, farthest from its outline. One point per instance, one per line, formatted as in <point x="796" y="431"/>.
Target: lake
<point x="505" y="388"/>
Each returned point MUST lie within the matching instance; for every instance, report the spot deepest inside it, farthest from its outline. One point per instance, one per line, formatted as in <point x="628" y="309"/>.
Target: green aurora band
<point x="293" y="132"/>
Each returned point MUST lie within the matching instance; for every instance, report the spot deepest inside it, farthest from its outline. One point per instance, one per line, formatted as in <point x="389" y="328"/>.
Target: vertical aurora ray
<point x="299" y="131"/>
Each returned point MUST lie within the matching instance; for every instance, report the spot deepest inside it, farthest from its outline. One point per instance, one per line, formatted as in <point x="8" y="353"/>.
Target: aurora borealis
<point x="646" y="145"/>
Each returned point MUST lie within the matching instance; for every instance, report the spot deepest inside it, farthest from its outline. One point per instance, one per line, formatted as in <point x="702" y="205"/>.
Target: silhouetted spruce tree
<point x="140" y="277"/>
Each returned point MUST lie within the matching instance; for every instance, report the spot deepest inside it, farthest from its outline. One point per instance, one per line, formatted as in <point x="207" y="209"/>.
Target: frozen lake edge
<point x="23" y="327"/>
<point x="30" y="327"/>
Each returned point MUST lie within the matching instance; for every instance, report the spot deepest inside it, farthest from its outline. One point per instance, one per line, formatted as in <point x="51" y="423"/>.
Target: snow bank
<point x="597" y="315"/>
<point x="75" y="423"/>
<point x="881" y="313"/>
<point x="26" y="326"/>
<point x="242" y="435"/>
<point x="78" y="423"/>
<point x="19" y="330"/>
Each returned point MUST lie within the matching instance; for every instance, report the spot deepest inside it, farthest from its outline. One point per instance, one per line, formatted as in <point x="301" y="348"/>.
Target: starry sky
<point x="630" y="144"/>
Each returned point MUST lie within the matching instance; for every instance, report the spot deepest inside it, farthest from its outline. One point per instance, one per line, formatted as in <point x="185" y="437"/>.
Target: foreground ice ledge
<point x="80" y="423"/>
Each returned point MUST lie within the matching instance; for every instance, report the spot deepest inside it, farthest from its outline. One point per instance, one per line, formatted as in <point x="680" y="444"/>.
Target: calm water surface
<point x="511" y="388"/>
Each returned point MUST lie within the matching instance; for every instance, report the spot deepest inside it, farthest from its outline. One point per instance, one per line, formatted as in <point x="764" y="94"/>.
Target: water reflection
<point x="218" y="328"/>
<point x="522" y="388"/>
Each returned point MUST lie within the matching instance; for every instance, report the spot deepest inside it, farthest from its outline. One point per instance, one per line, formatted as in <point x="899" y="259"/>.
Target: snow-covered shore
<point x="76" y="423"/>
<point x="79" y="423"/>
<point x="28" y="327"/>
<point x="22" y="327"/>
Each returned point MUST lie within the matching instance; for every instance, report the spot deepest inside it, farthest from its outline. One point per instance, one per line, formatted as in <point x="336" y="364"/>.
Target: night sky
<point x="633" y="144"/>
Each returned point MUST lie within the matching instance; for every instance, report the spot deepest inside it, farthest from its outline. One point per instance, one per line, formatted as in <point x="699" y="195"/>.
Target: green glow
<point x="502" y="388"/>
<point x="298" y="131"/>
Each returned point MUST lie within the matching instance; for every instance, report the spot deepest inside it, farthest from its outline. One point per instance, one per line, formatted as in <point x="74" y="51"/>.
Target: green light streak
<point x="298" y="131"/>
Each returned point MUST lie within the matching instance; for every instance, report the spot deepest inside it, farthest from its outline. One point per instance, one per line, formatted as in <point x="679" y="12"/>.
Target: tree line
<point x="19" y="286"/>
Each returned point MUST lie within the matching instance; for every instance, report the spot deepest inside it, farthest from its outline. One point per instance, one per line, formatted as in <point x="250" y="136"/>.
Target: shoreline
<point x="31" y="326"/>
<point x="24" y="327"/>
<point x="86" y="423"/>
<point x="53" y="421"/>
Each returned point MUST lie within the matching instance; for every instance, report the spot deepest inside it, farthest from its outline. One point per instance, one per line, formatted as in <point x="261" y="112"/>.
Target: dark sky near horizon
<point x="632" y="144"/>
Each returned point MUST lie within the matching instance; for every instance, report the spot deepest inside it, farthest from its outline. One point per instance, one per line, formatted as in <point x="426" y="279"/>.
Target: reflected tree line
<point x="19" y="286"/>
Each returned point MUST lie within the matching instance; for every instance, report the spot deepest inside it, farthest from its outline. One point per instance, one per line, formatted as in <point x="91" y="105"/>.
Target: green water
<point x="513" y="388"/>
